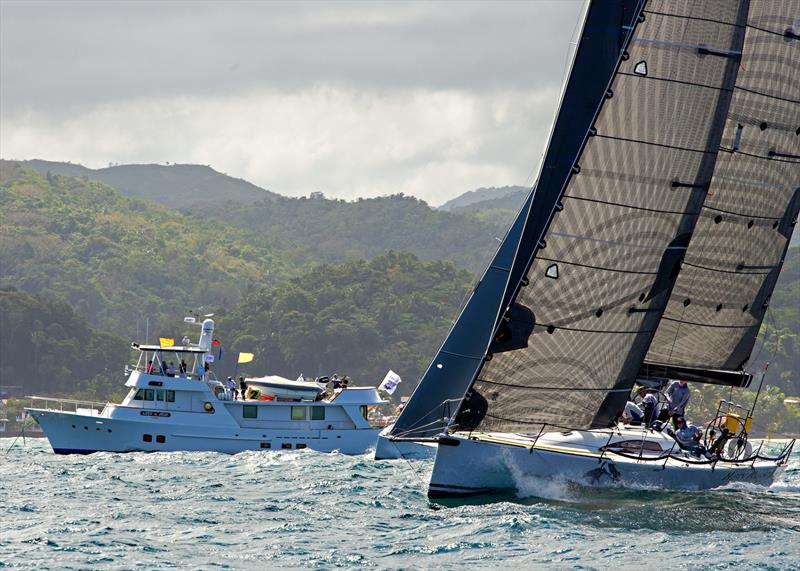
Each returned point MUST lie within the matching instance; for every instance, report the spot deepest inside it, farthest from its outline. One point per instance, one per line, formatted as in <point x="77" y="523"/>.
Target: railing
<point x="91" y="408"/>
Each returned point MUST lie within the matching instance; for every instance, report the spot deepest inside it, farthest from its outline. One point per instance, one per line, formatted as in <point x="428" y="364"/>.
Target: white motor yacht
<point x="192" y="411"/>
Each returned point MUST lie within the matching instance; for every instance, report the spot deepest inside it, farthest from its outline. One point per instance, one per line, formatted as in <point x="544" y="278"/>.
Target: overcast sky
<point x="353" y="99"/>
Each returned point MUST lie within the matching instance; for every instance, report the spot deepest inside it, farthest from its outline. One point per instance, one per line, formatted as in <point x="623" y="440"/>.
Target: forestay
<point x="737" y="250"/>
<point x="600" y="279"/>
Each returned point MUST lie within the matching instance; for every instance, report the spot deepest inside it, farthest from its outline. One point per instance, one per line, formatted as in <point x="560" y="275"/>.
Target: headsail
<point x="737" y="250"/>
<point x="599" y="280"/>
<point x="605" y="29"/>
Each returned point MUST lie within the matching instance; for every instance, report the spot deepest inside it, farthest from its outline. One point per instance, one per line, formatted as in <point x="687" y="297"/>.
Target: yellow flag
<point x="245" y="357"/>
<point x="166" y="342"/>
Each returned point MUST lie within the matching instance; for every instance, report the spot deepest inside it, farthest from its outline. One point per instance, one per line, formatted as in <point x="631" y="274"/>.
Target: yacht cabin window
<point x="249" y="411"/>
<point x="298" y="413"/>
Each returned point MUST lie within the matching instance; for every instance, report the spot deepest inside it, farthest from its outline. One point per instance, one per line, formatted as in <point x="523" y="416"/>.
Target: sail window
<point x="750" y="224"/>
<point x="744" y="307"/>
<point x="550" y="329"/>
<point x="318" y="413"/>
<point x="717" y="219"/>
<point x="298" y="413"/>
<point x="774" y="225"/>
<point x="686" y="302"/>
<point x="599" y="312"/>
<point x="249" y="411"/>
<point x="641" y="68"/>
<point x="763" y="126"/>
<point x="719" y="308"/>
<point x="641" y="297"/>
<point x="552" y="271"/>
<point x="170" y="396"/>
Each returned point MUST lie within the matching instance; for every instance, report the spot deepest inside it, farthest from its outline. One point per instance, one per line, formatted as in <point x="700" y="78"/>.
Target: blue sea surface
<point x="302" y="509"/>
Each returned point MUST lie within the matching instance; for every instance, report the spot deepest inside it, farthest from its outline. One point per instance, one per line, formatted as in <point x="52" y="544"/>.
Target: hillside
<point x="174" y="186"/>
<point x="329" y="231"/>
<point x="117" y="260"/>
<point x="482" y="195"/>
<point x="47" y="347"/>
<point x="357" y="318"/>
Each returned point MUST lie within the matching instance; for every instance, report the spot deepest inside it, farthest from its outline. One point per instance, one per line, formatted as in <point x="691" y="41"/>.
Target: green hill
<point x="48" y="348"/>
<point x="357" y="318"/>
<point x="117" y="260"/>
<point x="174" y="186"/>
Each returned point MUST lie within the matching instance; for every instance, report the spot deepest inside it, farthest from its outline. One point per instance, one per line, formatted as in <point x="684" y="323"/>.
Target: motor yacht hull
<point x="72" y="433"/>
<point x="490" y="464"/>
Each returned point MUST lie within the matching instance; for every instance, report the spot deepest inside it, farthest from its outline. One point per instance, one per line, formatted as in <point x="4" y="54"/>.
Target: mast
<point x="606" y="26"/>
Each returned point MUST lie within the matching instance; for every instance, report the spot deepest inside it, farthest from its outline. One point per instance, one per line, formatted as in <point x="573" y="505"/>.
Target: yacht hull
<point x="387" y="449"/>
<point x="73" y="433"/>
<point x="474" y="466"/>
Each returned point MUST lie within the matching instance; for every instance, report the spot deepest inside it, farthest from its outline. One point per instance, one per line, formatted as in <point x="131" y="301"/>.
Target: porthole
<point x="266" y="445"/>
<point x="147" y="437"/>
<point x="161" y="439"/>
<point x="300" y="446"/>
<point x="286" y="445"/>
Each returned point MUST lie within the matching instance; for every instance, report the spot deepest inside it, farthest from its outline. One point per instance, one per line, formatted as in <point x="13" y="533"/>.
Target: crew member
<point x="678" y="395"/>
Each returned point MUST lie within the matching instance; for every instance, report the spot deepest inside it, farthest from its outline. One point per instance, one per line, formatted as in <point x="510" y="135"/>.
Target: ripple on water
<point x="302" y="509"/>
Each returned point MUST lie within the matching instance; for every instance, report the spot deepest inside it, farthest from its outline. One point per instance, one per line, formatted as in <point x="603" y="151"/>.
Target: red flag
<point x="216" y="342"/>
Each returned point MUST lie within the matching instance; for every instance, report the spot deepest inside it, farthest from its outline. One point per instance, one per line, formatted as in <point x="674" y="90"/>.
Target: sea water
<point x="302" y="509"/>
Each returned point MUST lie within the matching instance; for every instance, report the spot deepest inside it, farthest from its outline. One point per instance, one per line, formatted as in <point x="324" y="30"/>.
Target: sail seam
<point x="579" y="330"/>
<point x="662" y="145"/>
<point x="766" y="31"/>
<point x="678" y="81"/>
<point x="698" y="18"/>
<point x="614" y="243"/>
<point x="773" y="158"/>
<point x="443" y="352"/>
<point x="740" y="215"/>
<point x="631" y="206"/>
<point x="596" y="267"/>
<point x="706" y="324"/>
<point x="762" y="94"/>
<point x="724" y="271"/>
<point x="540" y="388"/>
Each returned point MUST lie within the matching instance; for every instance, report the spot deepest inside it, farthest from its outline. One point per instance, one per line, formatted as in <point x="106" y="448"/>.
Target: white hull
<point x="387" y="449"/>
<point x="71" y="433"/>
<point x="491" y="464"/>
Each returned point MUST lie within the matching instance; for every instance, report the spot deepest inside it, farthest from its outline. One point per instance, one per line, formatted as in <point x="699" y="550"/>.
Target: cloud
<point x="343" y="141"/>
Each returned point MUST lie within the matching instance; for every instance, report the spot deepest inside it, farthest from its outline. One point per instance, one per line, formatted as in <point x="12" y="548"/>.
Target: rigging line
<point x="678" y="81"/>
<point x="761" y="94"/>
<point x="591" y="267"/>
<point x="720" y="270"/>
<point x="632" y="207"/>
<point x="540" y="388"/>
<point x="698" y="18"/>
<point x="661" y="145"/>
<point x="707" y="324"/>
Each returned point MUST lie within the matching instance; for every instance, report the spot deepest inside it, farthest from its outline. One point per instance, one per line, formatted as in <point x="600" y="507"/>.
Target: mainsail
<point x="606" y="28"/>
<point x="599" y="279"/>
<point x="736" y="252"/>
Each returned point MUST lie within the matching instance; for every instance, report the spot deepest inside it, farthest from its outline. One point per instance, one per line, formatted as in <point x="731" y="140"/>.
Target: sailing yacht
<point x="647" y="250"/>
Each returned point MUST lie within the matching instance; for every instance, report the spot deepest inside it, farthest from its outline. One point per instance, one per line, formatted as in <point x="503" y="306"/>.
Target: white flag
<point x="390" y="382"/>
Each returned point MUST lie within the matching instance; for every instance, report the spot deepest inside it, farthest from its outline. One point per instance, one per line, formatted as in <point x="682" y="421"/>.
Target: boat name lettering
<point x="153" y="413"/>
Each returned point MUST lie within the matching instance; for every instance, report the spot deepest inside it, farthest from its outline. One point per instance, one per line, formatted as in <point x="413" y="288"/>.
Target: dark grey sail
<point x="601" y="276"/>
<point x="736" y="253"/>
<point x="605" y="29"/>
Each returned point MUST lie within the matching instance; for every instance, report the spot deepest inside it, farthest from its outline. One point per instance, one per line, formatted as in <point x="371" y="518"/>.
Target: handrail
<point x="75" y="403"/>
